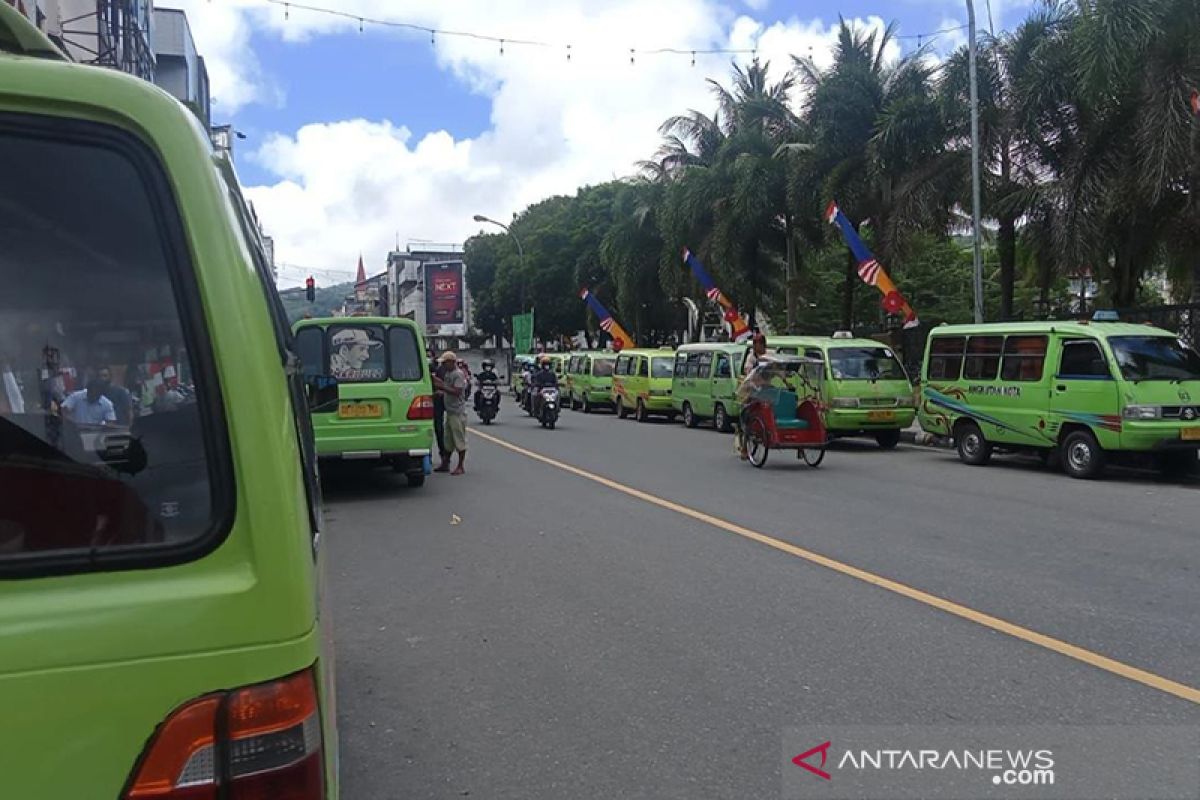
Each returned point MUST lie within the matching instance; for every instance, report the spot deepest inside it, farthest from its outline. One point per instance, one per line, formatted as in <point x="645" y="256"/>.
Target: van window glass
<point x="660" y="367"/>
<point x="1155" y="358"/>
<point x="722" y="370"/>
<point x="309" y="343"/>
<point x="865" y="364"/>
<point x="693" y="365"/>
<point x="1024" y="358"/>
<point x="404" y="357"/>
<point x="622" y="367"/>
<point x="704" y="365"/>
<point x="983" y="358"/>
<point x="602" y="367"/>
<point x="103" y="444"/>
<point x="814" y="352"/>
<point x="357" y="353"/>
<point x="1082" y="358"/>
<point x="681" y="365"/>
<point x="642" y="367"/>
<point x="946" y="357"/>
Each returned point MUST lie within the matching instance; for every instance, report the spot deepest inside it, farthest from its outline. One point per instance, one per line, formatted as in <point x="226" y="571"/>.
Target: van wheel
<point x="415" y="479"/>
<point x="1082" y="456"/>
<point x="721" y="419"/>
<point x="622" y="411"/>
<point x="689" y="416"/>
<point x="888" y="439"/>
<point x="973" y="449"/>
<point x="642" y="414"/>
<point x="587" y="405"/>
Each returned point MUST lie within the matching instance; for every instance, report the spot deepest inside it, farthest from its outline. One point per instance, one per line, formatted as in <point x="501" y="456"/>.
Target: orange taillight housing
<point x="422" y="407"/>
<point x="253" y="743"/>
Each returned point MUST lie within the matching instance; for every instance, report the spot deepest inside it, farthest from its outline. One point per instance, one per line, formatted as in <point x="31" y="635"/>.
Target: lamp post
<point x="975" y="189"/>
<point x="520" y="250"/>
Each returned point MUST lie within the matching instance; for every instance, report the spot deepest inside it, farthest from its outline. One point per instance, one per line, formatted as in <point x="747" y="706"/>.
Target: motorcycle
<point x="547" y="407"/>
<point x="487" y="402"/>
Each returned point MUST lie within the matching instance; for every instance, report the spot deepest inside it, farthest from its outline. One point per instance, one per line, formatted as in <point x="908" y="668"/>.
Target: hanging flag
<point x="522" y="327"/>
<point x="621" y="339"/>
<point x="739" y="329"/>
<point x="870" y="270"/>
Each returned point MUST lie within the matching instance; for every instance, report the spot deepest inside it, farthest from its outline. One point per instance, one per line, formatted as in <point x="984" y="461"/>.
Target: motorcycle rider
<point x="543" y="378"/>
<point x="486" y="374"/>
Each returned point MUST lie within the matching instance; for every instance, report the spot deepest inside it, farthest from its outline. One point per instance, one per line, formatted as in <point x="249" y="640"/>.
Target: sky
<point x="356" y="140"/>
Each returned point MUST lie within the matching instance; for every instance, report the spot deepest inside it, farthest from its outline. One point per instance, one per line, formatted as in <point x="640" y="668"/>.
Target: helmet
<point x="487" y="362"/>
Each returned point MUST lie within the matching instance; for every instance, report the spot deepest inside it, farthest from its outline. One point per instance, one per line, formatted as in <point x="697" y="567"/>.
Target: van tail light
<point x="260" y="742"/>
<point x="422" y="407"/>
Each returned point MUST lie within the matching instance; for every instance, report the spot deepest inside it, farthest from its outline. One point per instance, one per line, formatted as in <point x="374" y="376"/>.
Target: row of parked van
<point x="1075" y="393"/>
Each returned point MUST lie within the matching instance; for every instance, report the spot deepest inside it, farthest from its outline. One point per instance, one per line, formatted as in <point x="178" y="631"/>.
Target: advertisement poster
<point x="444" y="293"/>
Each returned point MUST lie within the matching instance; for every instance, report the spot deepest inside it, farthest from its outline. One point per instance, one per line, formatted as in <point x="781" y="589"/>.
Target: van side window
<point x="693" y="365"/>
<point x="681" y="365"/>
<point x="722" y="370"/>
<point x="1024" y="358"/>
<point x="814" y="352"/>
<point x="111" y="425"/>
<point x="643" y="367"/>
<point x="1081" y="358"/>
<point x="704" y="365"/>
<point x="622" y="367"/>
<point x="983" y="357"/>
<point x="946" y="357"/>
<point x="309" y="347"/>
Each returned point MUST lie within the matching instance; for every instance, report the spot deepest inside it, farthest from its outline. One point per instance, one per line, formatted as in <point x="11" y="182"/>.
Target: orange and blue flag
<point x="739" y="330"/>
<point x="621" y="339"/>
<point x="870" y="270"/>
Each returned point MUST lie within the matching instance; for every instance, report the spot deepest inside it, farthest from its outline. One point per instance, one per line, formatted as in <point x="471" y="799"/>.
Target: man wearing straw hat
<point x="453" y="384"/>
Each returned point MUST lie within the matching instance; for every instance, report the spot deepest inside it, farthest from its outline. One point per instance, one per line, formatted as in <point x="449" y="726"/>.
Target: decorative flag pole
<point x="621" y="339"/>
<point x="870" y="270"/>
<point x="740" y="330"/>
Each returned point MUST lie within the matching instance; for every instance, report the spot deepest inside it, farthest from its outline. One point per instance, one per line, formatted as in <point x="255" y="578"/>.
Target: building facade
<point x="430" y="279"/>
<point x="179" y="68"/>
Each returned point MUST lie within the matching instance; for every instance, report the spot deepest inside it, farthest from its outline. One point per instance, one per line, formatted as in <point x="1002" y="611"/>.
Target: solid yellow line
<point x="1105" y="663"/>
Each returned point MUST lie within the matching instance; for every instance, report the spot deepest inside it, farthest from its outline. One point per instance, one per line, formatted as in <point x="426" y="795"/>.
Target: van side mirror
<point x="321" y="391"/>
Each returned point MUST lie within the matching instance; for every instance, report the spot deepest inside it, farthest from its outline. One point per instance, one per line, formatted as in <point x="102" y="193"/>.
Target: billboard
<point x="444" y="303"/>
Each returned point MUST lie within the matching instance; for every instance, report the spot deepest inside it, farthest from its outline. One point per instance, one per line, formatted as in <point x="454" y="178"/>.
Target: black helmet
<point x="487" y="362"/>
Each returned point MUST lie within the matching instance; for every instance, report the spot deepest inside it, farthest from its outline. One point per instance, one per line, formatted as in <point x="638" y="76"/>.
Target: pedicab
<point x="781" y="409"/>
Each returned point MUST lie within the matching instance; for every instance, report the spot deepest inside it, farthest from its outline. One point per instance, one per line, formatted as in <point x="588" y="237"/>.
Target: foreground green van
<point x="641" y="383"/>
<point x="385" y="411"/>
<point x="705" y="381"/>
<point x="163" y="624"/>
<point x="867" y="391"/>
<point x="1079" y="391"/>
<point x="589" y="380"/>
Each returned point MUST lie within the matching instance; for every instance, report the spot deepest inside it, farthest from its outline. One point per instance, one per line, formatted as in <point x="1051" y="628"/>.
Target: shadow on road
<point x="348" y="480"/>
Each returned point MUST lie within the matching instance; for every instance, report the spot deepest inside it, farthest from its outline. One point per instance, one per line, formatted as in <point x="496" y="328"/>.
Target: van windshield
<point x="662" y="367"/>
<point x="602" y="368"/>
<point x="1155" y="358"/>
<point x="865" y="364"/>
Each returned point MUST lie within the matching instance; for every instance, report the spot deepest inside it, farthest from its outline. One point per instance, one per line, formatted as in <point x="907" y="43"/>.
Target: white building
<point x="179" y="68"/>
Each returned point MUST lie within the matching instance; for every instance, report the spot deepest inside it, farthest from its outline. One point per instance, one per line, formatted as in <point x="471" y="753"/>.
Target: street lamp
<point x="520" y="250"/>
<point x="975" y="190"/>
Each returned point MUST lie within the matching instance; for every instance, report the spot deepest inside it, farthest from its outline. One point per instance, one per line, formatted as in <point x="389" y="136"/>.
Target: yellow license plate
<point x="360" y="410"/>
<point x="1190" y="434"/>
<point x="881" y="416"/>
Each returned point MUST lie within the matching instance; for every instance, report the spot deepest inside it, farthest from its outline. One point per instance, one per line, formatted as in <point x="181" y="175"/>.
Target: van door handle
<point x="1061" y="388"/>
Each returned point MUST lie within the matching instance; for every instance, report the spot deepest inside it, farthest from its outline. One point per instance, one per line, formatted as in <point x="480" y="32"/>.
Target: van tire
<point x="721" y="419"/>
<point x="689" y="416"/>
<point x="1081" y="455"/>
<point x="415" y="479"/>
<point x="622" y="411"/>
<point x="972" y="448"/>
<point x="641" y="414"/>
<point x="887" y="440"/>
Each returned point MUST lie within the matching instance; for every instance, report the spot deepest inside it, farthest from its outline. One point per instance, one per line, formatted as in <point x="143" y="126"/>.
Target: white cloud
<point x="350" y="185"/>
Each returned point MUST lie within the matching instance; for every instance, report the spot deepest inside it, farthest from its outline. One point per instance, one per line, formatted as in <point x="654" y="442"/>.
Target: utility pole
<point x="976" y="201"/>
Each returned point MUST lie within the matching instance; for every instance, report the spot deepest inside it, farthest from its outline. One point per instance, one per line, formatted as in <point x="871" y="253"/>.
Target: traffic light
<point x="310" y="289"/>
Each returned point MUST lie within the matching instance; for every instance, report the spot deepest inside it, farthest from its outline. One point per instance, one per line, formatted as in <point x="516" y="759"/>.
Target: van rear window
<point x="109" y="447"/>
<point x="662" y="367"/>
<point x="404" y="356"/>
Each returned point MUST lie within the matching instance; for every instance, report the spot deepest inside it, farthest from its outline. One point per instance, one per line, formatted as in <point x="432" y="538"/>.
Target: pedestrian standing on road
<point x="455" y="387"/>
<point x="439" y="414"/>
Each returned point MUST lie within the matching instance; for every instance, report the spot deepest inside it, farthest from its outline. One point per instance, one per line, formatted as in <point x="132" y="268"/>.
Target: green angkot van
<point x="642" y="383"/>
<point x="1079" y="391"/>
<point x="705" y="382"/>
<point x="385" y="412"/>
<point x="163" y="622"/>
<point x="867" y="391"/>
<point x="589" y="380"/>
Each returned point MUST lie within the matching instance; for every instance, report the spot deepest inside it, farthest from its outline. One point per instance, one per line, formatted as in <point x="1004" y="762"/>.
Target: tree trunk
<point x="848" y="292"/>
<point x="1006" y="243"/>
<point x="790" y="277"/>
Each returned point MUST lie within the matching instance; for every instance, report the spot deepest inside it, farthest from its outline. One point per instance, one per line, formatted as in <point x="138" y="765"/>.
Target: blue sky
<point x="357" y="139"/>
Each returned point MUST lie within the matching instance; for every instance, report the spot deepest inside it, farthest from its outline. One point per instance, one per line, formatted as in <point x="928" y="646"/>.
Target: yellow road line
<point x="1105" y="663"/>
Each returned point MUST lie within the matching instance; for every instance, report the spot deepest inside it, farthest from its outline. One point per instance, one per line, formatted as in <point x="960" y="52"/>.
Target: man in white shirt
<point x="90" y="407"/>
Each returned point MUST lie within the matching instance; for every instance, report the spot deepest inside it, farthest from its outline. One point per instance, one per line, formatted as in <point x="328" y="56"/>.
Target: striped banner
<point x="870" y="270"/>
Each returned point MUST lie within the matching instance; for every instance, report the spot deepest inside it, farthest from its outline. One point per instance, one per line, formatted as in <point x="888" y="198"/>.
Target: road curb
<point x="923" y="439"/>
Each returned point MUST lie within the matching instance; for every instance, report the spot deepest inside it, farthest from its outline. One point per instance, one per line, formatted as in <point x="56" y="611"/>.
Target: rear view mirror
<point x="321" y="392"/>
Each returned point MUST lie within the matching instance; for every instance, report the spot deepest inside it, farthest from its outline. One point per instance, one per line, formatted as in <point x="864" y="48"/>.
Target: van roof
<point x="822" y="342"/>
<point x="326" y="321"/>
<point x="1103" y="329"/>
<point x="648" y="351"/>
<point x="727" y="347"/>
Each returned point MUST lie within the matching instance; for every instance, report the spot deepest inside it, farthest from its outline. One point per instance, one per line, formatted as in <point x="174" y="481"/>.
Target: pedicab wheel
<point x="689" y="416"/>
<point x="813" y="456"/>
<point x="756" y="444"/>
<point x="642" y="415"/>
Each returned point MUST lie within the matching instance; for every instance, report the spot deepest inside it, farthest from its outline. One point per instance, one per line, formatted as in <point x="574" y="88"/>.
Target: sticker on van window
<point x="356" y="354"/>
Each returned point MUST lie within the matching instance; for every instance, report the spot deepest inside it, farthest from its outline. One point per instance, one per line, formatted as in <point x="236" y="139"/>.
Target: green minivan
<point x="641" y="383"/>
<point x="385" y="410"/>
<point x="164" y="630"/>
<point x="589" y="380"/>
<point x="705" y="382"/>
<point x="1078" y="392"/>
<point x="867" y="391"/>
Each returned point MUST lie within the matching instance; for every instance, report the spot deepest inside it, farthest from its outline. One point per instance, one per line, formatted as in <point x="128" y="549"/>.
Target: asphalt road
<point x="528" y="632"/>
